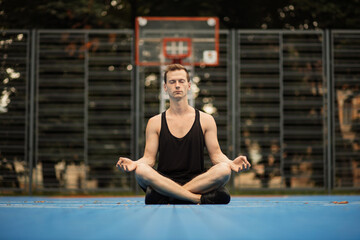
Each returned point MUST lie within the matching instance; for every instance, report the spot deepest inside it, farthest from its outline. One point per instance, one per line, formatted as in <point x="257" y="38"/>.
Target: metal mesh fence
<point x="346" y="97"/>
<point x="84" y="102"/>
<point x="14" y="110"/>
<point x="72" y="102"/>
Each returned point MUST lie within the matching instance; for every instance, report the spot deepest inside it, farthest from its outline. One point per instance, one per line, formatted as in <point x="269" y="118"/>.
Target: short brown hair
<point x="175" y="67"/>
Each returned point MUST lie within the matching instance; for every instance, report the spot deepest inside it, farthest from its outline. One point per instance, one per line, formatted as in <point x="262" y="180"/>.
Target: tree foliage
<point x="107" y="14"/>
<point x="324" y="14"/>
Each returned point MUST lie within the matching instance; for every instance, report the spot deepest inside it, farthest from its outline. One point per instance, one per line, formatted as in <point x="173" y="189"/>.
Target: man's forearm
<point x="219" y="158"/>
<point x="146" y="160"/>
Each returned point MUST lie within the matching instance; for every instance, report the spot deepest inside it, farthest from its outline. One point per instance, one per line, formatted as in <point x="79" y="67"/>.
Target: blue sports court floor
<point x="293" y="217"/>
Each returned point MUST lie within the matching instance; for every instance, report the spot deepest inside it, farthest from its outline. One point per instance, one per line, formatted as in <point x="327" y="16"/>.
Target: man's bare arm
<point x="216" y="155"/>
<point x="151" y="148"/>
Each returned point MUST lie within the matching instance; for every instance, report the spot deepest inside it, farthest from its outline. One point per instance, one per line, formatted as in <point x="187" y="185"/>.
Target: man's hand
<point x="240" y="164"/>
<point x="126" y="164"/>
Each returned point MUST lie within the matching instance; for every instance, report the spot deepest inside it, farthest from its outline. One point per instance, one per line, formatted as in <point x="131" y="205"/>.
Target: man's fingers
<point x="125" y="164"/>
<point x="241" y="164"/>
<point x="246" y="166"/>
<point x="243" y="167"/>
<point x="121" y="159"/>
<point x="246" y="162"/>
<point x="120" y="164"/>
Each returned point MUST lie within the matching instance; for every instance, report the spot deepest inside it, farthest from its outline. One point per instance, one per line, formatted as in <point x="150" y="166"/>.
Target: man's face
<point x="177" y="85"/>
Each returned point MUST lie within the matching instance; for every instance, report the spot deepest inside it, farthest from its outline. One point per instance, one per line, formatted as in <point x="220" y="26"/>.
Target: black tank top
<point x="181" y="159"/>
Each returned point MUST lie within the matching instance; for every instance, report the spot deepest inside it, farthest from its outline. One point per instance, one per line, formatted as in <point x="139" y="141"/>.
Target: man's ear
<point x="165" y="88"/>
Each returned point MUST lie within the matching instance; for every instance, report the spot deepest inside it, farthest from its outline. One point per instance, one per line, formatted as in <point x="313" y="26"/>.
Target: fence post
<point x="232" y="129"/>
<point x="234" y="92"/>
<point x="32" y="107"/>
<point x="136" y="115"/>
<point x="86" y="106"/>
<point x="330" y="114"/>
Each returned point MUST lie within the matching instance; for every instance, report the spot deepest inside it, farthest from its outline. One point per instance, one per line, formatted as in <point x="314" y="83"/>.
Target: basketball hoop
<point x="177" y="49"/>
<point x="191" y="41"/>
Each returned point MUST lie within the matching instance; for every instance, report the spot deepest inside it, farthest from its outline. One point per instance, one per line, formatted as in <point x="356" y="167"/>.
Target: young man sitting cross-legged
<point x="179" y="135"/>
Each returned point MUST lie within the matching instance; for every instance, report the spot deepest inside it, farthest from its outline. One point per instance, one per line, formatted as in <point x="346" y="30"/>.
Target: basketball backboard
<point x="187" y="40"/>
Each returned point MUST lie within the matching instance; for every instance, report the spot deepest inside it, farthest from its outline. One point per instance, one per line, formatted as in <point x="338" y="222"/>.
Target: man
<point x="180" y="134"/>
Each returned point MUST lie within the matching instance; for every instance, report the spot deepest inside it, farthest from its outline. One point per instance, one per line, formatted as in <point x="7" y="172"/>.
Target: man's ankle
<point x="198" y="198"/>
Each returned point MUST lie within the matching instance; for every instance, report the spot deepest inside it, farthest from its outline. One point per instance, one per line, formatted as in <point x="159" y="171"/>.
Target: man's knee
<point x="143" y="173"/>
<point x="223" y="171"/>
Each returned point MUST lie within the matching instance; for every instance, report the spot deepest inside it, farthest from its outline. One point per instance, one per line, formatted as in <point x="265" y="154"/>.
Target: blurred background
<point x="286" y="93"/>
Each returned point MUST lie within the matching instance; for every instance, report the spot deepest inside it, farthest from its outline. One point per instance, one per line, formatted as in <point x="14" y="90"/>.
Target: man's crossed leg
<point x="206" y="188"/>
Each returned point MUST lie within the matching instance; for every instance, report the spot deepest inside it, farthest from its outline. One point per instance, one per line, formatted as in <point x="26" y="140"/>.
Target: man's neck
<point x="179" y="108"/>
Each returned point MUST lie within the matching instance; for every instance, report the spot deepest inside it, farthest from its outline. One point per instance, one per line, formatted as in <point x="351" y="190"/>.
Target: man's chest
<point x="180" y="127"/>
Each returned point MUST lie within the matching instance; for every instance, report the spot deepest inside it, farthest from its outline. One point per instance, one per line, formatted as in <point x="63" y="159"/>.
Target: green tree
<point x="65" y="14"/>
<point x="107" y="14"/>
<point x="324" y="14"/>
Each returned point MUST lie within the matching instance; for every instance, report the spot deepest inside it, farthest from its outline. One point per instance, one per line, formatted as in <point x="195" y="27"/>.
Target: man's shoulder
<point x="155" y="122"/>
<point x="206" y="119"/>
<point x="155" y="119"/>
<point x="205" y="116"/>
